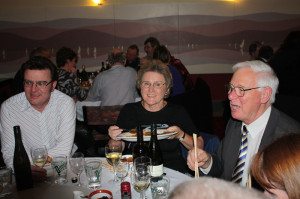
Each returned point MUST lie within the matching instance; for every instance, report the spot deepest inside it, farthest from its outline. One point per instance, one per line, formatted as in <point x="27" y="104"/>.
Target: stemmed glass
<point x="113" y="154"/>
<point x="39" y="156"/>
<point x="141" y="175"/>
<point x="122" y="170"/>
<point x="77" y="164"/>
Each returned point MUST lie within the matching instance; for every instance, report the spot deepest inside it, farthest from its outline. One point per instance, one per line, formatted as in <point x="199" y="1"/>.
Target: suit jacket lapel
<point x="268" y="135"/>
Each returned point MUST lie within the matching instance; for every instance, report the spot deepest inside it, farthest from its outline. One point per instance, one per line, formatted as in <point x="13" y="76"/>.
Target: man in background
<point x="115" y="86"/>
<point x="132" y="57"/>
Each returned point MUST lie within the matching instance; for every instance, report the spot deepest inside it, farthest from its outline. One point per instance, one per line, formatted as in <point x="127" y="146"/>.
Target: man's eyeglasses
<point x="239" y="91"/>
<point x="38" y="84"/>
<point x="155" y="85"/>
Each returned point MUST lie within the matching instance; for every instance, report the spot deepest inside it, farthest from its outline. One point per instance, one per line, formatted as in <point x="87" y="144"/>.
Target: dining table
<point x="50" y="190"/>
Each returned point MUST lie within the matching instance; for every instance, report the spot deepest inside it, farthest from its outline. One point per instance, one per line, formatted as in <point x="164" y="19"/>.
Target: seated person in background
<point x="254" y="49"/>
<point x="265" y="53"/>
<point x="213" y="188"/>
<point x="277" y="168"/>
<point x="18" y="79"/>
<point x="163" y="54"/>
<point x="46" y="116"/>
<point x="154" y="82"/>
<point x="132" y="57"/>
<point x="115" y="86"/>
<point x="254" y="125"/>
<point x="187" y="81"/>
<point x="149" y="46"/>
<point x="66" y="60"/>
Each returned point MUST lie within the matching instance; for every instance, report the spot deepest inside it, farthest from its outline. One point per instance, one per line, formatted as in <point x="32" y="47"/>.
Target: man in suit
<point x="251" y="93"/>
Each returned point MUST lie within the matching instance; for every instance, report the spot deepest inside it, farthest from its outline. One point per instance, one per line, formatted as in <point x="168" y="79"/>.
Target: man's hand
<point x="203" y="158"/>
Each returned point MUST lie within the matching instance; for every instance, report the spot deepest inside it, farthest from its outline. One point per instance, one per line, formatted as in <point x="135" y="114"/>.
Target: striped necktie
<point x="240" y="165"/>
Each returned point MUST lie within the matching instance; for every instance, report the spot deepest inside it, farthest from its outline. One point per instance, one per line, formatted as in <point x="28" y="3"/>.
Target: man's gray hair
<point x="213" y="188"/>
<point x="265" y="75"/>
<point x="116" y="57"/>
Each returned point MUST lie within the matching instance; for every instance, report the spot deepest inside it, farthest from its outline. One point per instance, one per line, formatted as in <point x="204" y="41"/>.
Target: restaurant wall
<point x="209" y="36"/>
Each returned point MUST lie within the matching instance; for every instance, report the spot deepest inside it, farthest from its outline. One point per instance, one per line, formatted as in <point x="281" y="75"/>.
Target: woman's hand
<point x="114" y="131"/>
<point x="179" y="133"/>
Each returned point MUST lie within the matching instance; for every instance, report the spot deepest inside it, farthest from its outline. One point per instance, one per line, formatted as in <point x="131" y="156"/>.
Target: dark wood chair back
<point x="101" y="115"/>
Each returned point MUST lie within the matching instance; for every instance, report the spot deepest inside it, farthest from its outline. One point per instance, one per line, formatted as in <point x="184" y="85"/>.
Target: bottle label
<point x="157" y="170"/>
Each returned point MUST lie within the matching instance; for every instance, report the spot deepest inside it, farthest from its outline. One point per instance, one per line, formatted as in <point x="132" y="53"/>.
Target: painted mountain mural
<point x="195" y="39"/>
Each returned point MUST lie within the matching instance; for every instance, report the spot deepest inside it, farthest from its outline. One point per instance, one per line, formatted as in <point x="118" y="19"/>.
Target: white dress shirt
<point x="256" y="130"/>
<point x="54" y="127"/>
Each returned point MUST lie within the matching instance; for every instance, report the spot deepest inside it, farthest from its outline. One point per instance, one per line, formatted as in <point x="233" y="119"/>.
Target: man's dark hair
<point x="63" y="55"/>
<point x="162" y="53"/>
<point x="153" y="41"/>
<point x="265" y="52"/>
<point x="40" y="63"/>
<point x="134" y="47"/>
<point x="254" y="46"/>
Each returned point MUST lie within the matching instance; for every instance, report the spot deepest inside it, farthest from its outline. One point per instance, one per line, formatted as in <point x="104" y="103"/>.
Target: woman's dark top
<point x="66" y="83"/>
<point x="133" y="114"/>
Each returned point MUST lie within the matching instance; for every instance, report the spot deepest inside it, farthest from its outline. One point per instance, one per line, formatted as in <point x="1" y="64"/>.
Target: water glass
<point x="59" y="165"/>
<point x="160" y="187"/>
<point x="93" y="171"/>
<point x="5" y="182"/>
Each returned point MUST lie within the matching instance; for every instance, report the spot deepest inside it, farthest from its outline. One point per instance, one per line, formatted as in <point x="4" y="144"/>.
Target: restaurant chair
<point x="97" y="120"/>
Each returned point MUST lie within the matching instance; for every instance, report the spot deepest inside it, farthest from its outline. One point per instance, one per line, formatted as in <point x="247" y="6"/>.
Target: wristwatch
<point x="182" y="138"/>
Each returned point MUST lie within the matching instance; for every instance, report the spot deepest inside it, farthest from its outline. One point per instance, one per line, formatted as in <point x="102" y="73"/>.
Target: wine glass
<point x="113" y="154"/>
<point x="122" y="171"/>
<point x="77" y="164"/>
<point x="141" y="176"/>
<point x="39" y="156"/>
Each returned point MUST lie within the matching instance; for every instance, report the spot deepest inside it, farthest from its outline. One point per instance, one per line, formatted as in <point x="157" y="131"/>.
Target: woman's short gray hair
<point x="157" y="67"/>
<point x="265" y="75"/>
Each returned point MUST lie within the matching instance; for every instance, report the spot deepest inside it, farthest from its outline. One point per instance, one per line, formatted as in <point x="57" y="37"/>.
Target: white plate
<point x="132" y="138"/>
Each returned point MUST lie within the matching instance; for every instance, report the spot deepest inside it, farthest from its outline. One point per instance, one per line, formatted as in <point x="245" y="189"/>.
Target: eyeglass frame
<point x="154" y="84"/>
<point x="230" y="87"/>
<point x="38" y="84"/>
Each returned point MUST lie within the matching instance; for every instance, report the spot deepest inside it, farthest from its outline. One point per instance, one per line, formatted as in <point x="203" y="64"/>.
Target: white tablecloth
<point x="53" y="191"/>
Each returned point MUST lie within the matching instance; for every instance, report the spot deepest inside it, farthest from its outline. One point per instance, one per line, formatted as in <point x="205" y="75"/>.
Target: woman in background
<point x="66" y="60"/>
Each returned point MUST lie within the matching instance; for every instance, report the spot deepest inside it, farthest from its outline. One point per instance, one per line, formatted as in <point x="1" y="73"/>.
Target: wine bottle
<point x="21" y="163"/>
<point x="139" y="149"/>
<point x="155" y="154"/>
<point x="84" y="74"/>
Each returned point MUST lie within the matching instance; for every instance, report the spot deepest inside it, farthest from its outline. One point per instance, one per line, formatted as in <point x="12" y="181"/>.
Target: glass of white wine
<point x="140" y="177"/>
<point x="113" y="154"/>
<point x="39" y="156"/>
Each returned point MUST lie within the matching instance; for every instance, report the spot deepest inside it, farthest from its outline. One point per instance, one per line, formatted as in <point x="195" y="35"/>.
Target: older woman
<point x="277" y="168"/>
<point x="154" y="82"/>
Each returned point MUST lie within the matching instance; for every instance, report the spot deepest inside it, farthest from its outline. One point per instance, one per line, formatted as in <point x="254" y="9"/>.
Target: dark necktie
<point x="240" y="165"/>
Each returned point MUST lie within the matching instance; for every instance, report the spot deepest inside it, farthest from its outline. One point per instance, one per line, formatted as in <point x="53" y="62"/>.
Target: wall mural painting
<point x="197" y="39"/>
